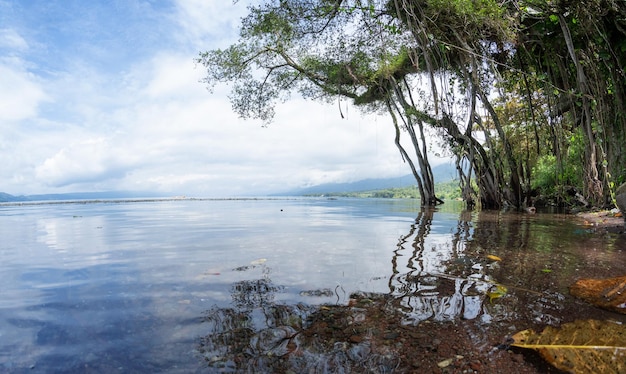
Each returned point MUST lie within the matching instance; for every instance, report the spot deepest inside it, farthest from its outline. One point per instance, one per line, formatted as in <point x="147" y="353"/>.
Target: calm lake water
<point x="153" y="286"/>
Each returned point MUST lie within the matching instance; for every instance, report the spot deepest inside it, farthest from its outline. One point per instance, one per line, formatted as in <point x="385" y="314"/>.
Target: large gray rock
<point x="620" y="199"/>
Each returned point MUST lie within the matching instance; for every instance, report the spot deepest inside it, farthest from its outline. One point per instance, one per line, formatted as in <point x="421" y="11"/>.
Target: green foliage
<point x="395" y="65"/>
<point x="545" y="174"/>
<point x="447" y="191"/>
<point x="574" y="161"/>
<point x="476" y="19"/>
<point x="550" y="177"/>
<point x="387" y="193"/>
<point x="266" y="22"/>
<point x="479" y="9"/>
<point x="558" y="64"/>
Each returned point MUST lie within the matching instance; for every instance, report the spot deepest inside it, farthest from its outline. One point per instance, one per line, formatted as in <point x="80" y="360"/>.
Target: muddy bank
<point x="370" y="335"/>
<point x="377" y="325"/>
<point x="602" y="221"/>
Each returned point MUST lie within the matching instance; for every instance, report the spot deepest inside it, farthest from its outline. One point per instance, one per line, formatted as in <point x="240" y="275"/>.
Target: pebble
<point x="391" y="335"/>
<point x="356" y="338"/>
<point x="475" y="365"/>
<point x="445" y="363"/>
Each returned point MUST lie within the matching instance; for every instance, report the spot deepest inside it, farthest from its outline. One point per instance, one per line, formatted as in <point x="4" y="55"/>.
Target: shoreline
<point x="602" y="221"/>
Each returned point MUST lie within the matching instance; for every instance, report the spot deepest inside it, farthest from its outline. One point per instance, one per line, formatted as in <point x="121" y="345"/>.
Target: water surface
<point x="135" y="286"/>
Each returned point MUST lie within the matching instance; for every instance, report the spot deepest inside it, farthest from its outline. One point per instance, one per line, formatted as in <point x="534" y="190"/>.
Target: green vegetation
<point x="526" y="95"/>
<point x="447" y="191"/>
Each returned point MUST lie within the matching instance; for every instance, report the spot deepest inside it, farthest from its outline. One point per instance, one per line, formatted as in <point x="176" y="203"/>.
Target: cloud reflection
<point x="259" y="333"/>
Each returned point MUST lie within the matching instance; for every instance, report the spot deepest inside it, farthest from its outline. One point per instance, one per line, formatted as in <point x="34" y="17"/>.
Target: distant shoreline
<point x="142" y="200"/>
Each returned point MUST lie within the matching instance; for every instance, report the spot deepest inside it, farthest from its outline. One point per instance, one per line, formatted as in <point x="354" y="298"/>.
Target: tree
<point x="457" y="41"/>
<point x="326" y="49"/>
<point x="493" y="77"/>
<point x="579" y="50"/>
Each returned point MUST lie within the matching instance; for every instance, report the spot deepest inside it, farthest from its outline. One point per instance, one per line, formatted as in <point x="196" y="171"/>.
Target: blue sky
<point x="104" y="95"/>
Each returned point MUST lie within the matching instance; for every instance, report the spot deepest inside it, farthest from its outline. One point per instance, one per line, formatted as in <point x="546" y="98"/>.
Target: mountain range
<point x="442" y="173"/>
<point x="7" y="198"/>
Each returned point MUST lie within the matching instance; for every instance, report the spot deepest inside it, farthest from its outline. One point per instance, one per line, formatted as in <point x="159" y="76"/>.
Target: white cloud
<point x="173" y="76"/>
<point x="209" y="22"/>
<point x="93" y="160"/>
<point x="20" y="93"/>
<point x="149" y="124"/>
<point x="11" y="39"/>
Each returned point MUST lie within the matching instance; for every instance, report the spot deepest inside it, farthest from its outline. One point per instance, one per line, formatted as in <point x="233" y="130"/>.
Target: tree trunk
<point x="424" y="178"/>
<point x="594" y="185"/>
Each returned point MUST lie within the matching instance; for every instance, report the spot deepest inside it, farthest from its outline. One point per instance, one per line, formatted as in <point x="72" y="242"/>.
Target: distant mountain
<point x="442" y="173"/>
<point x="5" y="197"/>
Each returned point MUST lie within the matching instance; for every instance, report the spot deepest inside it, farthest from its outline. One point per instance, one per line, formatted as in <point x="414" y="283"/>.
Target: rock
<point x="445" y="363"/>
<point x="356" y="339"/>
<point x="620" y="199"/>
<point x="475" y="365"/>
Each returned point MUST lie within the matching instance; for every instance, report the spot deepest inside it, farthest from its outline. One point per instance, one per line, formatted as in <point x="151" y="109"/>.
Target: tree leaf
<point x="497" y="292"/>
<point x="583" y="346"/>
<point x="494" y="258"/>
<point x="608" y="293"/>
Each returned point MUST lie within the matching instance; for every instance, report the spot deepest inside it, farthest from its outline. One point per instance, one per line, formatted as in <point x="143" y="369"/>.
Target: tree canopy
<point x="508" y="86"/>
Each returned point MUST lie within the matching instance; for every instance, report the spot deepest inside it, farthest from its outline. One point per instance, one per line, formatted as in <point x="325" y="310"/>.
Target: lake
<point x="152" y="286"/>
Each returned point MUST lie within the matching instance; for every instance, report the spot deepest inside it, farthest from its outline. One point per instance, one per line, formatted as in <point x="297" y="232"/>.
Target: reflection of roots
<point x="324" y="292"/>
<point x="337" y="338"/>
<point x="302" y="338"/>
<point x="254" y="293"/>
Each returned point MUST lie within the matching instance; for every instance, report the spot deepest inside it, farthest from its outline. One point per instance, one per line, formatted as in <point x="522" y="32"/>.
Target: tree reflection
<point x="259" y="335"/>
<point x="457" y="279"/>
<point x="429" y="280"/>
<point x="440" y="281"/>
<point x="533" y="262"/>
<point x="437" y="274"/>
<point x="254" y="329"/>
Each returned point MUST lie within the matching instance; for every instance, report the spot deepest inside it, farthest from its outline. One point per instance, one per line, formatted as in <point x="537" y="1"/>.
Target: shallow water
<point x="136" y="286"/>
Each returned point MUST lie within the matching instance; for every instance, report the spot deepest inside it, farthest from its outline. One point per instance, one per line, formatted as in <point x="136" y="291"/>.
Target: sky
<point x="104" y="95"/>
